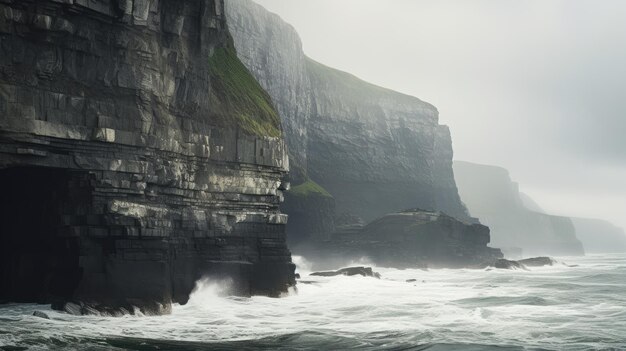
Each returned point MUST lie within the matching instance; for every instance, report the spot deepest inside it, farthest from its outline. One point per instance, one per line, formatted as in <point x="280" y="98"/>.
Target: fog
<point x="536" y="86"/>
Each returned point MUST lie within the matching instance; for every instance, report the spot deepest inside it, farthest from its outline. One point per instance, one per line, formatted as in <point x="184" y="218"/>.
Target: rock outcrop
<point x="350" y="271"/>
<point x="375" y="151"/>
<point x="494" y="198"/>
<point x="409" y="239"/>
<point x="599" y="236"/>
<point x="523" y="264"/>
<point x="508" y="264"/>
<point x="137" y="154"/>
<point x="311" y="213"/>
<point x="537" y="261"/>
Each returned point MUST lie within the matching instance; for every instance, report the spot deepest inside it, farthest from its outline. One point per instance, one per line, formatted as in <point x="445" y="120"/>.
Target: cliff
<point x="271" y="49"/>
<point x="599" y="236"/>
<point x="494" y="198"/>
<point x="137" y="154"/>
<point x="375" y="151"/>
<point x="411" y="238"/>
<point x="378" y="151"/>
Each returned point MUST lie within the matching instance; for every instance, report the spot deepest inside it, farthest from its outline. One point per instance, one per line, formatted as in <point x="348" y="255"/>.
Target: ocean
<point x="578" y="304"/>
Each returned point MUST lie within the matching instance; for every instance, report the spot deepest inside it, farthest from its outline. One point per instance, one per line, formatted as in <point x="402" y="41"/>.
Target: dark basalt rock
<point x="137" y="155"/>
<point x="523" y="264"/>
<point x="311" y="211"/>
<point x="537" y="261"/>
<point x="41" y="314"/>
<point x="508" y="264"/>
<point x="350" y="271"/>
<point x="140" y="306"/>
<point x="409" y="239"/>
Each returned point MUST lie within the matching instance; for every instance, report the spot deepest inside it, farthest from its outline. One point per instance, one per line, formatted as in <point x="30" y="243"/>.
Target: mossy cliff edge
<point x="137" y="155"/>
<point x="237" y="94"/>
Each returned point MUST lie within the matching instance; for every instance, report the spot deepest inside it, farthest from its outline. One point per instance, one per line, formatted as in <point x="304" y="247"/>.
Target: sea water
<point x="578" y="304"/>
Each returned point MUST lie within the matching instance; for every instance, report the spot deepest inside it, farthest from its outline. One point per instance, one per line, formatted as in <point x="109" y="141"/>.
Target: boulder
<point x="41" y="314"/>
<point x="508" y="264"/>
<point x="350" y="271"/>
<point x="537" y="261"/>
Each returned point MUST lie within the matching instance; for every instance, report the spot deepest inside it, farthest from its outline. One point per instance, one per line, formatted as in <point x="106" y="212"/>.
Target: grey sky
<point x="535" y="86"/>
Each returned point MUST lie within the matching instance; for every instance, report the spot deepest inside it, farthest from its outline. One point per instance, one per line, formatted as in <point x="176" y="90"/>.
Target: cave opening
<point x="39" y="261"/>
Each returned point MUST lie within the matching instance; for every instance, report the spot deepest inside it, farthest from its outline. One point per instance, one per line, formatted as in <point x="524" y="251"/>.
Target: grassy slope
<point x="309" y="188"/>
<point x="236" y="93"/>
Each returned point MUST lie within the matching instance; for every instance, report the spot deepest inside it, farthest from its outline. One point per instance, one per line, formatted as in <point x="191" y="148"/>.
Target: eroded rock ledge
<point x="409" y="239"/>
<point x="128" y="169"/>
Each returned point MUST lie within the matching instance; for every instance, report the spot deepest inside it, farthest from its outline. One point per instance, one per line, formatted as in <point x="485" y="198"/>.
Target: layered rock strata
<point x="137" y="154"/>
<point x="494" y="198"/>
<point x="412" y="238"/>
<point x="374" y="150"/>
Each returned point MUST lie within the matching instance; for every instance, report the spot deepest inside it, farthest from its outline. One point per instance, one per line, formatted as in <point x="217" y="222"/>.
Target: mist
<point x="536" y="87"/>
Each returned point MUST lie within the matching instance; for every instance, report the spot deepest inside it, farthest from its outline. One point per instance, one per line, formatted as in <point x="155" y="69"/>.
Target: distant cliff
<point x="492" y="197"/>
<point x="137" y="155"/>
<point x="375" y="151"/>
<point x="599" y="236"/>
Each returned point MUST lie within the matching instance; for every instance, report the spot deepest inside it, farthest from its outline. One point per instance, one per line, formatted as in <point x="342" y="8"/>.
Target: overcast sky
<point x="535" y="86"/>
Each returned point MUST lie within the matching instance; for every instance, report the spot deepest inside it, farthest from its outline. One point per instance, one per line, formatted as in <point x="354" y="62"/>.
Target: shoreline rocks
<point x="508" y="264"/>
<point x="524" y="264"/>
<point x="537" y="261"/>
<point x="350" y="271"/>
<point x="409" y="239"/>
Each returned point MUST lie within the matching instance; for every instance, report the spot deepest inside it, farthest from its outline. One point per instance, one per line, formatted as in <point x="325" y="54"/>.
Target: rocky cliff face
<point x="494" y="198"/>
<point x="272" y="51"/>
<point x="599" y="236"/>
<point x="374" y="150"/>
<point x="377" y="151"/>
<point x="137" y="154"/>
<point x="411" y="238"/>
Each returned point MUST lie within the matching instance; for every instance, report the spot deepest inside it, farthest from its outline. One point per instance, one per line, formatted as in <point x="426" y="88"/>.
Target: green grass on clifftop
<point x="309" y="188"/>
<point x="235" y="93"/>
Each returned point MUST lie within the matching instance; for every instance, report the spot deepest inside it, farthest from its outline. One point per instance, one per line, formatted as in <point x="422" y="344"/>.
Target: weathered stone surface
<point x="413" y="238"/>
<point x="523" y="264"/>
<point x="494" y="198"/>
<point x="272" y="51"/>
<point x="350" y="271"/>
<point x="311" y="213"/>
<point x="374" y="150"/>
<point x="128" y="168"/>
<point x="508" y="264"/>
<point x="537" y="261"/>
<point x="41" y="314"/>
